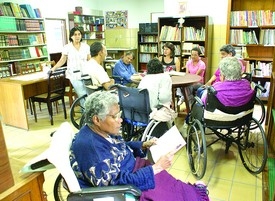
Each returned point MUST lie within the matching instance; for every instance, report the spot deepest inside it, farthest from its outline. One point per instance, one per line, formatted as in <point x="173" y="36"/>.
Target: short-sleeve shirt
<point x="76" y="59"/>
<point x="96" y="72"/>
<point x="193" y="69"/>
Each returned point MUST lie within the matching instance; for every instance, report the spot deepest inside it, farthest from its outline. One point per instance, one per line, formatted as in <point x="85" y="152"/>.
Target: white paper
<point x="171" y="141"/>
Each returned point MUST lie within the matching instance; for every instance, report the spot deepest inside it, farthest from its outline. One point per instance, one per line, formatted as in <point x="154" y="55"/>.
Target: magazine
<point x="171" y="141"/>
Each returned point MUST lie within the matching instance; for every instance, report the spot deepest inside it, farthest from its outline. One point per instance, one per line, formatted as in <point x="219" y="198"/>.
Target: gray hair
<point x="231" y="68"/>
<point x="99" y="103"/>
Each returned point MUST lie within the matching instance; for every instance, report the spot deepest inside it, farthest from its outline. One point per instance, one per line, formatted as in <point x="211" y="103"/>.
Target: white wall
<point x="138" y="10"/>
<point x="216" y="9"/>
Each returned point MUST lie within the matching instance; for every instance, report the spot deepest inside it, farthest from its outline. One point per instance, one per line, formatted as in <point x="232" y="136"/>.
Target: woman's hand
<point x="163" y="163"/>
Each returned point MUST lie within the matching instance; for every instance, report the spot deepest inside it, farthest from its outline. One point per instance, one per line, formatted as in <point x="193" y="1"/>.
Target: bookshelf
<point x="147" y="44"/>
<point x="186" y="33"/>
<point x="251" y="29"/>
<point x="22" y="39"/>
<point x="92" y="26"/>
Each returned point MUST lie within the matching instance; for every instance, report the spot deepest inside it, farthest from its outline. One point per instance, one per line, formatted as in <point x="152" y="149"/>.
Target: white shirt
<point x="96" y="72"/>
<point x="159" y="87"/>
<point x="76" y="59"/>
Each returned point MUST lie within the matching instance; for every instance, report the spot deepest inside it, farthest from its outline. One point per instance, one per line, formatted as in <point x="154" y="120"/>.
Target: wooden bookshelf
<point x="92" y="26"/>
<point x="148" y="46"/>
<point x="251" y="30"/>
<point x="196" y="31"/>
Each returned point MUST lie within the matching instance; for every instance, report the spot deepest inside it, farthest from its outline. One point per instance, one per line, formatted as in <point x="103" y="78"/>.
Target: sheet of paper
<point x="171" y="141"/>
<point x="175" y="73"/>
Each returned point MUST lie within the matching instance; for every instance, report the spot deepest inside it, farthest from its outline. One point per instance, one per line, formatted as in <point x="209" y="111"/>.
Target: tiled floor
<point x="225" y="176"/>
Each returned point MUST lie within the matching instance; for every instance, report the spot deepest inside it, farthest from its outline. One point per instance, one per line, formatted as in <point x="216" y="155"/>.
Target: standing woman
<point x="168" y="60"/>
<point x="76" y="54"/>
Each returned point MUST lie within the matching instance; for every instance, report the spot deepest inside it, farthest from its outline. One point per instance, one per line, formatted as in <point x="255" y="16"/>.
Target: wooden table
<point x="14" y="92"/>
<point x="183" y="81"/>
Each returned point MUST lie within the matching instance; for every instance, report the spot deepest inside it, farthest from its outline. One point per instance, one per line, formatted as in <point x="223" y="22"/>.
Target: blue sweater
<point x="97" y="161"/>
<point x="124" y="70"/>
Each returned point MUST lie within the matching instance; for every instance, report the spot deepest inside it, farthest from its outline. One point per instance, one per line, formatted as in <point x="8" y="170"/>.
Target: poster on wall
<point x="117" y="19"/>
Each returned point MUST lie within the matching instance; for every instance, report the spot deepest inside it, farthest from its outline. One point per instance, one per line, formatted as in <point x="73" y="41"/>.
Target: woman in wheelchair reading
<point x="100" y="157"/>
<point x="231" y="90"/>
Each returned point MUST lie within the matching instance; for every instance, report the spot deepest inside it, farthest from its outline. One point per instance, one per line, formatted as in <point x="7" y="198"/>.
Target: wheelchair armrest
<point x="105" y="190"/>
<point x="260" y="87"/>
<point x="198" y="100"/>
<point x="116" y="77"/>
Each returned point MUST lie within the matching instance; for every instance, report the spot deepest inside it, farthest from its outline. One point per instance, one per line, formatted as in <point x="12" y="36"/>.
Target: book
<point x="171" y="141"/>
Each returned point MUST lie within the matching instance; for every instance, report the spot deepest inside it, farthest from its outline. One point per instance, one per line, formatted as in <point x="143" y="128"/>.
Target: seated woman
<point x="125" y="69"/>
<point x="100" y="157"/>
<point x="158" y="84"/>
<point x="232" y="90"/>
<point x="225" y="51"/>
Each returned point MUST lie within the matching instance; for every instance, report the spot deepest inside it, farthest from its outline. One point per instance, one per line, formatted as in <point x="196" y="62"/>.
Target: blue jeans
<point x="80" y="89"/>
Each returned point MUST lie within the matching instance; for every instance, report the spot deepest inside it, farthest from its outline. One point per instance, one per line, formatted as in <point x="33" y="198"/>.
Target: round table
<point x="182" y="82"/>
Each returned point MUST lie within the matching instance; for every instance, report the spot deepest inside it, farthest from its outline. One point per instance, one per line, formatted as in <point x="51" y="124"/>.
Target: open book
<point x="171" y="141"/>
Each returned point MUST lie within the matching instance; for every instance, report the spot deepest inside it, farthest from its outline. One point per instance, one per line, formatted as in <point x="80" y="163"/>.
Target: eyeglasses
<point x="115" y="116"/>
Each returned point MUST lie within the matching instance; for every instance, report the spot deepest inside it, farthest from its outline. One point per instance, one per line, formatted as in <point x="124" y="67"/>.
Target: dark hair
<point x="228" y="49"/>
<point x="171" y="47"/>
<point x="196" y="49"/>
<point x="73" y="30"/>
<point x="154" y="66"/>
<point x="95" y="48"/>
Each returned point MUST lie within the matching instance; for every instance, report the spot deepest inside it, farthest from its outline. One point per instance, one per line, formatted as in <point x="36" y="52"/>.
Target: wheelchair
<point x="232" y="125"/>
<point x="259" y="89"/>
<point x="135" y="106"/>
<point x="66" y="186"/>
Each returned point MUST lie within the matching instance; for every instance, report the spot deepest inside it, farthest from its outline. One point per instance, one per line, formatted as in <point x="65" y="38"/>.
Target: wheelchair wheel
<point x="253" y="148"/>
<point x="60" y="191"/>
<point x="155" y="129"/>
<point x="76" y="112"/>
<point x="196" y="149"/>
<point x="256" y="115"/>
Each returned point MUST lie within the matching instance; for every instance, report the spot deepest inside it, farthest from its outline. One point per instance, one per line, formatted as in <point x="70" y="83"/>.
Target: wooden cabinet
<point x="22" y="45"/>
<point x="252" y="31"/>
<point x="92" y="26"/>
<point x="186" y="33"/>
<point x="147" y="44"/>
<point x="15" y="186"/>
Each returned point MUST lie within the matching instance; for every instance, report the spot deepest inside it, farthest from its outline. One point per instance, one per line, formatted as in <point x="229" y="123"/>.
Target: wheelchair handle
<point x="212" y="90"/>
<point x="260" y="87"/>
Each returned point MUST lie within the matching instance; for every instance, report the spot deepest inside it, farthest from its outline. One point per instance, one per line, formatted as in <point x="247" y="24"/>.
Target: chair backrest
<point x="134" y="103"/>
<point x="56" y="83"/>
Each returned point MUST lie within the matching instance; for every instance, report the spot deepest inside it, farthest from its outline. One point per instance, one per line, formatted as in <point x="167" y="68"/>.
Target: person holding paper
<point x="100" y="157"/>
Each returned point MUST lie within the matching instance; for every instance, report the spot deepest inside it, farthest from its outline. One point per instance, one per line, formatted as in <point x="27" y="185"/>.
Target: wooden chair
<point x="56" y="90"/>
<point x="69" y="91"/>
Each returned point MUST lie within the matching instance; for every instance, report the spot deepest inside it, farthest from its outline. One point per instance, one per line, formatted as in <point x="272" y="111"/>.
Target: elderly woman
<point x="100" y="157"/>
<point x="232" y="90"/>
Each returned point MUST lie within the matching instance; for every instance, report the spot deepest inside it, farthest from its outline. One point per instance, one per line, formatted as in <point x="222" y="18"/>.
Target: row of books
<point x="87" y="19"/>
<point x="21" y="39"/>
<point x="266" y="68"/>
<point x="145" y="58"/>
<point x="93" y="35"/>
<point x="148" y="38"/>
<point x="16" y="10"/>
<point x="89" y="27"/>
<point x="29" y="25"/>
<point x="19" y="68"/>
<point x="252" y="18"/>
<point x="240" y="36"/>
<point x="192" y="33"/>
<point x="23" y="53"/>
<point x="169" y="33"/>
<point x="148" y="48"/>
<point x="188" y="46"/>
